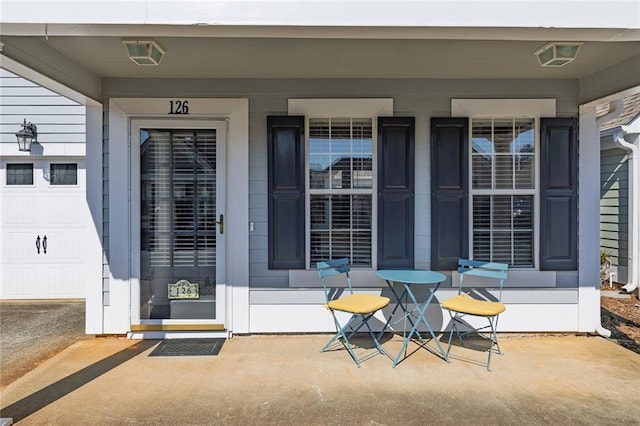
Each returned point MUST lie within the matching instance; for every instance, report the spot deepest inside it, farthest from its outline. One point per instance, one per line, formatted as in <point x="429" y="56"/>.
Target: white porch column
<point x="93" y="300"/>
<point x="588" y="221"/>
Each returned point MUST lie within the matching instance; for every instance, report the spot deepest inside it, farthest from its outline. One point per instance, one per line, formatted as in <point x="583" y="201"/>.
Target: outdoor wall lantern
<point x="557" y="54"/>
<point x="144" y="52"/>
<point x="27" y="136"/>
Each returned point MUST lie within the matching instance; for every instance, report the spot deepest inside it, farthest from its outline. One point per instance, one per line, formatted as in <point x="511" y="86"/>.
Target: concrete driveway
<point x="284" y="380"/>
<point x="33" y="331"/>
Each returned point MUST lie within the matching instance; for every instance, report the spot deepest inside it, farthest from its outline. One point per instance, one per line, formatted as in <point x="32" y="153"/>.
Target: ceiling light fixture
<point x="557" y="54"/>
<point x="144" y="52"/>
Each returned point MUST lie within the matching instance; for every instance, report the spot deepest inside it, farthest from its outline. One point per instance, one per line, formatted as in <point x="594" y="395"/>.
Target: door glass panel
<point x="177" y="224"/>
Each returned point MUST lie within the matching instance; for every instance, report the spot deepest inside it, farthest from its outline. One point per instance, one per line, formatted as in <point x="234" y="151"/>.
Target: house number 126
<point x="179" y="107"/>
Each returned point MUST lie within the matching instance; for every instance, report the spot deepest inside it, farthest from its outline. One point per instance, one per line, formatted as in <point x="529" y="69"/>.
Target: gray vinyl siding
<point x="419" y="98"/>
<point x="58" y="119"/>
<point x="614" y="204"/>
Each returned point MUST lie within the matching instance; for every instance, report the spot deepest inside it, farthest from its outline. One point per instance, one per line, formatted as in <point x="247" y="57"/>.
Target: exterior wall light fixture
<point x="144" y="52"/>
<point x="557" y="54"/>
<point x="27" y="136"/>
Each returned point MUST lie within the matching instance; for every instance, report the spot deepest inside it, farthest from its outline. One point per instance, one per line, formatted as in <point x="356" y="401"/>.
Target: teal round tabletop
<point x="411" y="276"/>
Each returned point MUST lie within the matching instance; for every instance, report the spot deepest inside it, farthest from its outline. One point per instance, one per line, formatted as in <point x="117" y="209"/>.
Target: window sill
<point x="362" y="278"/>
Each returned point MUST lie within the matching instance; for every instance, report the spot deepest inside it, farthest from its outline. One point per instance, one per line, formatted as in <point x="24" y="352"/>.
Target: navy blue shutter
<point x="559" y="194"/>
<point x="449" y="192"/>
<point x="396" y="159"/>
<point x="285" y="146"/>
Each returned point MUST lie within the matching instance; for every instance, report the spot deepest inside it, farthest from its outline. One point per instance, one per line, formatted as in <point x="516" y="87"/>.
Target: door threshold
<point x="177" y="327"/>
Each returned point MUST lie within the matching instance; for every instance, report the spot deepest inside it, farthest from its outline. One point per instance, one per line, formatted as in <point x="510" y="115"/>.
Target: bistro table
<point x="408" y="278"/>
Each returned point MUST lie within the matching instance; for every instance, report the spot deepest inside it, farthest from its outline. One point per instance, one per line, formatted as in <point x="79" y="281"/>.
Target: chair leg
<point x="494" y="340"/>
<point x="344" y="336"/>
<point x="373" y="336"/>
<point x="493" y="336"/>
<point x="453" y="328"/>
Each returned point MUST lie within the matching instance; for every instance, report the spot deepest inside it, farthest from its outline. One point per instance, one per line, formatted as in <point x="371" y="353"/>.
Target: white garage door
<point x="44" y="218"/>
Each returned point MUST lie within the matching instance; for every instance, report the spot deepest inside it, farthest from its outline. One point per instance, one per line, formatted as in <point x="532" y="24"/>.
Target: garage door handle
<point x="38" y="244"/>
<point x="44" y="244"/>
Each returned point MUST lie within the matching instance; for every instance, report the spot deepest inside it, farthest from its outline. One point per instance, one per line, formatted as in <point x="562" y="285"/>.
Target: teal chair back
<point x="477" y="268"/>
<point x="332" y="268"/>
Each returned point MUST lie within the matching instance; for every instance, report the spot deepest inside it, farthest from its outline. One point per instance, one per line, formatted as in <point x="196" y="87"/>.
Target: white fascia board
<point x="401" y="13"/>
<point x="633" y="127"/>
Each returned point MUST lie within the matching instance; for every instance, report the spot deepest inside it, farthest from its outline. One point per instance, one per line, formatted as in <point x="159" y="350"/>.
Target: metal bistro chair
<point x="362" y="307"/>
<point x="464" y="305"/>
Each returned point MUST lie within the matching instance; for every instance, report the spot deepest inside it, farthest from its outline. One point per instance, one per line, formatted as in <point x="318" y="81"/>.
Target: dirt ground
<point x="33" y="331"/>
<point x="622" y="318"/>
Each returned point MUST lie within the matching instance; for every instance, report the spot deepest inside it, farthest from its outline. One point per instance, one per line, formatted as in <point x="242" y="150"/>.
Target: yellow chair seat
<point x="359" y="303"/>
<point x="468" y="305"/>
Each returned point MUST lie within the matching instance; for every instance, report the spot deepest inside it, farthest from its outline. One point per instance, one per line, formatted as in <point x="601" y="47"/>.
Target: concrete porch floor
<point x="283" y="379"/>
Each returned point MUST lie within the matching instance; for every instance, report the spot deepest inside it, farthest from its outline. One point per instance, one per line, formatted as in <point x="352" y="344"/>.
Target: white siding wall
<point x="420" y="98"/>
<point x="61" y="122"/>
<point x="62" y="213"/>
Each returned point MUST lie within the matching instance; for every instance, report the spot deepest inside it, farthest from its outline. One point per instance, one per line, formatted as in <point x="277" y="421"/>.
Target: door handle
<point x="221" y="224"/>
<point x="44" y="244"/>
<point x="38" y="244"/>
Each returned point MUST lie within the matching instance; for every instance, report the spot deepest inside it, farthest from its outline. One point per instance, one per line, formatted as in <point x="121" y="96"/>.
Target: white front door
<point x="178" y="214"/>
<point x="43" y="223"/>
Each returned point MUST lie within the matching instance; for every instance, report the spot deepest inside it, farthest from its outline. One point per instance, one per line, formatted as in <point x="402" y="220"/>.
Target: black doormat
<point x="188" y="347"/>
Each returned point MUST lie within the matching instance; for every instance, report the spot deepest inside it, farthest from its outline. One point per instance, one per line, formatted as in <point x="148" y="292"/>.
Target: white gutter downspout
<point x="634" y="214"/>
<point x="615" y="109"/>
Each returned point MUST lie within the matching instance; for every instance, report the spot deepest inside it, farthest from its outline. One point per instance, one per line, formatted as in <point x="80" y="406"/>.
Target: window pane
<point x="340" y="153"/>
<point x="482" y="169"/>
<point x="178" y="214"/>
<point x="482" y="153"/>
<point x="503" y="229"/>
<point x="504" y="171"/>
<point x="64" y="174"/>
<point x="19" y="174"/>
<point x="524" y="153"/>
<point x="341" y="227"/>
<point x="340" y="160"/>
<point x="482" y="132"/>
<point x="502" y="135"/>
<point x="503" y="154"/>
<point x="319" y="153"/>
<point x="482" y="212"/>
<point x="503" y="159"/>
<point x="501" y="211"/>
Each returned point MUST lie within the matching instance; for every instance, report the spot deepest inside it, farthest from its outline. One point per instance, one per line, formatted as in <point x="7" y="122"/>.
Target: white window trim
<point x="236" y="112"/>
<point x="512" y="108"/>
<point x="334" y="108"/>
<point x="354" y="108"/>
<point x="494" y="108"/>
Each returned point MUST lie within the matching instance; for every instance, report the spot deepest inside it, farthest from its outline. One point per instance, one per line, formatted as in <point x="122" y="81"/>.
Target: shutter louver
<point x="396" y="159"/>
<point x="449" y="192"/>
<point x="285" y="139"/>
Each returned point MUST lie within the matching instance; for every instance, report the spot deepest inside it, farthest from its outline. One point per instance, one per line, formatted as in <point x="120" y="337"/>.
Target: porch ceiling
<point x="243" y="57"/>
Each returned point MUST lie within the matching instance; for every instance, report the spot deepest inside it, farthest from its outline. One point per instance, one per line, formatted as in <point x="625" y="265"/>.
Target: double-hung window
<point x="340" y="180"/>
<point x="503" y="190"/>
<point x="504" y="184"/>
<point x="340" y="184"/>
